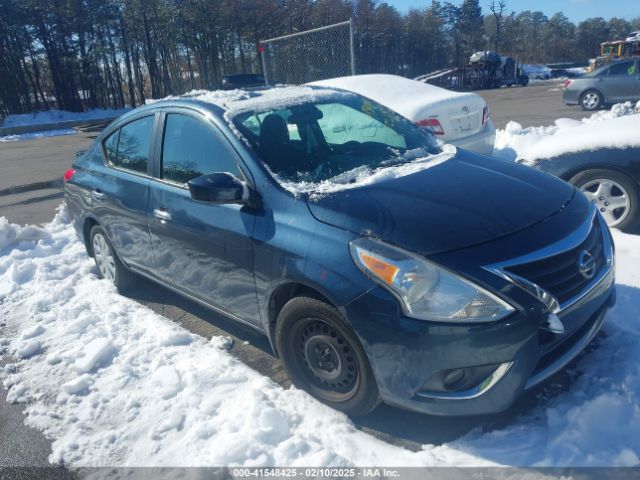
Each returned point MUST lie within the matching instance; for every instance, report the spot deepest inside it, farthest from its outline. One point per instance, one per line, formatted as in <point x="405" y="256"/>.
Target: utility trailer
<point x="485" y="70"/>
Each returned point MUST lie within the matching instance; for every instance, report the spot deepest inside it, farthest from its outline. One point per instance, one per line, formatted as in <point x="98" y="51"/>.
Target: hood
<point x="465" y="201"/>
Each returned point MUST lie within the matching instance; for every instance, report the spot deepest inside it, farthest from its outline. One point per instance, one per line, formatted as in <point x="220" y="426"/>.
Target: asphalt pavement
<point x="30" y="190"/>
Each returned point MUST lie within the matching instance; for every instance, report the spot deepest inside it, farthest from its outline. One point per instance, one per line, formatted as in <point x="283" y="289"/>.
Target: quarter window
<point x="128" y="147"/>
<point x="191" y="148"/>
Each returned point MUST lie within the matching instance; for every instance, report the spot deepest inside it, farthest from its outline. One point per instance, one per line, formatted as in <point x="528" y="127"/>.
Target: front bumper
<point x="412" y="358"/>
<point x="405" y="353"/>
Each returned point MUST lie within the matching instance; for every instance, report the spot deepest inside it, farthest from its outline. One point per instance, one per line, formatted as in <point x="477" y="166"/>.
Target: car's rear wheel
<point x="109" y="265"/>
<point x="323" y="356"/>
<point x="591" y="100"/>
<point x="616" y="196"/>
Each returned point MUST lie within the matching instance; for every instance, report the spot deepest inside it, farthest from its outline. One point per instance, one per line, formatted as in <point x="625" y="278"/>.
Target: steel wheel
<point x="610" y="197"/>
<point x="103" y="256"/>
<point x="330" y="364"/>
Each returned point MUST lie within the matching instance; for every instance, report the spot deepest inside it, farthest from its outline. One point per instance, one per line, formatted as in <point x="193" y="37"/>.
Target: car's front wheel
<point x="591" y="100"/>
<point x="323" y="356"/>
<point x="109" y="265"/>
<point x="616" y="196"/>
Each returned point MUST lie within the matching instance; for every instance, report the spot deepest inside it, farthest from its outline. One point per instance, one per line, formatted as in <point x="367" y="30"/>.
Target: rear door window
<point x="622" y="69"/>
<point x="191" y="148"/>
<point x="128" y="147"/>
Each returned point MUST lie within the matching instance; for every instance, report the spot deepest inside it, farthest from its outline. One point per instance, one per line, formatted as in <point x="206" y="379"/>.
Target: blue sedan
<point x="380" y="265"/>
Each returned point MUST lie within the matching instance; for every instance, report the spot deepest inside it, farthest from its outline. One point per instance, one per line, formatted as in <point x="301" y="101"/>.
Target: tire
<point x="524" y="80"/>
<point x="602" y="186"/>
<point x="591" y="100"/>
<point x="311" y="332"/>
<point x="107" y="261"/>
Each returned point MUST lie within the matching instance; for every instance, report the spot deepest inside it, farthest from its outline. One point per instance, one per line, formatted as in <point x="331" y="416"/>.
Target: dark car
<point x="242" y="80"/>
<point x="563" y="72"/>
<point x="379" y="266"/>
<point x="615" y="82"/>
<point x="609" y="177"/>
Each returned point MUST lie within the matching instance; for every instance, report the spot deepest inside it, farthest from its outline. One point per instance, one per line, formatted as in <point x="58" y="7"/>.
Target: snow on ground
<point x="54" y="116"/>
<point x="29" y="136"/>
<point x="615" y="128"/>
<point x="112" y="383"/>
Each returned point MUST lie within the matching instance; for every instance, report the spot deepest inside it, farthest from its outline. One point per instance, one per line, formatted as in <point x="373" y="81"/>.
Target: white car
<point x="458" y="118"/>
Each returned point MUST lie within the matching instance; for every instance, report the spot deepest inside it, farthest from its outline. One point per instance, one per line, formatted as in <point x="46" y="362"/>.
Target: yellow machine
<point x="614" y="50"/>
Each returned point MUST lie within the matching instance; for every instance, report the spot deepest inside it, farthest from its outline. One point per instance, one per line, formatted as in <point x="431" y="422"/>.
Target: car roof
<point x="234" y="102"/>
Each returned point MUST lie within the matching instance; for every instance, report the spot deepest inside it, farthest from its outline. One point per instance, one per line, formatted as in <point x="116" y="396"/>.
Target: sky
<point x="575" y="10"/>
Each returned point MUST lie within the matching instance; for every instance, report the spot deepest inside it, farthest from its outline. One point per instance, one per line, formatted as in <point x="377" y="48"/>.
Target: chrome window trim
<point x="568" y="243"/>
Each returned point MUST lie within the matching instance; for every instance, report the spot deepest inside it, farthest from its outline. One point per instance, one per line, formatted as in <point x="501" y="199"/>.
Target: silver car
<point x="616" y="82"/>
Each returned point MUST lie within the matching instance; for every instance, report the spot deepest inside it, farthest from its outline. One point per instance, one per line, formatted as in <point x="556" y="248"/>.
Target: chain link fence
<point x="324" y="52"/>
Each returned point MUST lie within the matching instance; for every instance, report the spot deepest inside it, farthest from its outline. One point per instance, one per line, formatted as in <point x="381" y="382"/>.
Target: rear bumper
<point x="570" y="97"/>
<point x="406" y="354"/>
<point x="481" y="142"/>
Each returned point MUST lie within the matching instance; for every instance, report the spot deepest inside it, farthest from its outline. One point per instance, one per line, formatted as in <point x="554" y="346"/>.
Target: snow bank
<point x="615" y="128"/>
<point x="112" y="383"/>
<point x="54" y="116"/>
<point x="29" y="136"/>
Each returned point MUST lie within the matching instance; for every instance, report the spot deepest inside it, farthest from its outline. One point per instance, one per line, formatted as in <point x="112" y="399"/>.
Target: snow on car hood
<point x="617" y="128"/>
<point x="467" y="200"/>
<point x="365" y="175"/>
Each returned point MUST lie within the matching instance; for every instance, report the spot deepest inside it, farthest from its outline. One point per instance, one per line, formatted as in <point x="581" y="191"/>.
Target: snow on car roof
<point x="238" y="101"/>
<point x="407" y="97"/>
<point x="617" y="128"/>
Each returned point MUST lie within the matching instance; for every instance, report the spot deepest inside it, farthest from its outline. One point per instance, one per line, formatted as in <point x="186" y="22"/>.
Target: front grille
<point x="559" y="274"/>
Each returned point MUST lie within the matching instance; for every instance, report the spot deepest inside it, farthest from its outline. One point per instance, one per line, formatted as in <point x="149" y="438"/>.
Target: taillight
<point x="485" y="114"/>
<point x="432" y="123"/>
<point x="68" y="174"/>
<point x="567" y="82"/>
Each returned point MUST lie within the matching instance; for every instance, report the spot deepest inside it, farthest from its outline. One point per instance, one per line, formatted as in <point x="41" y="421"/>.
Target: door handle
<point x="162" y="214"/>
<point x="97" y="195"/>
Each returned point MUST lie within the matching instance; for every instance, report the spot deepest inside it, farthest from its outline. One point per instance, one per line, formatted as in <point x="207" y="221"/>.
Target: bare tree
<point x="498" y="9"/>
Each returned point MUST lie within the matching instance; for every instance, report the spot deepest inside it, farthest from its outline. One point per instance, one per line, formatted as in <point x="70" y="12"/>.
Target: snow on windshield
<point x="414" y="161"/>
<point x="617" y="128"/>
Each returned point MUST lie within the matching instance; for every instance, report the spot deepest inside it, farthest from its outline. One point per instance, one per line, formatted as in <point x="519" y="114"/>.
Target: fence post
<point x="352" y="47"/>
<point x="263" y="54"/>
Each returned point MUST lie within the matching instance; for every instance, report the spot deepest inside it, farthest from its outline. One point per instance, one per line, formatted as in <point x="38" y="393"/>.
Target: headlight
<point x="426" y="291"/>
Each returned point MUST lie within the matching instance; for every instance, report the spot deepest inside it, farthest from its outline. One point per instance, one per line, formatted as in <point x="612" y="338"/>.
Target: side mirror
<point x="221" y="188"/>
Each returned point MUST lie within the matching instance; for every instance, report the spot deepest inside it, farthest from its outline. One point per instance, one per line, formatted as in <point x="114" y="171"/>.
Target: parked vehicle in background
<point x="616" y="82"/>
<point x="462" y="119"/>
<point x="486" y="69"/>
<point x="379" y="265"/>
<point x="537" y="71"/>
<point x="562" y="73"/>
<point x="242" y="80"/>
<point x="609" y="177"/>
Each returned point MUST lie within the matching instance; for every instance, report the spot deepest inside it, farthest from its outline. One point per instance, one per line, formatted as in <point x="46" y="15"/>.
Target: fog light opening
<point x="453" y="379"/>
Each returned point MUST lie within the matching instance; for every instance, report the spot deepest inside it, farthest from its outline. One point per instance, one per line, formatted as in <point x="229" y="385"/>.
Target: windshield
<point x="316" y="141"/>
